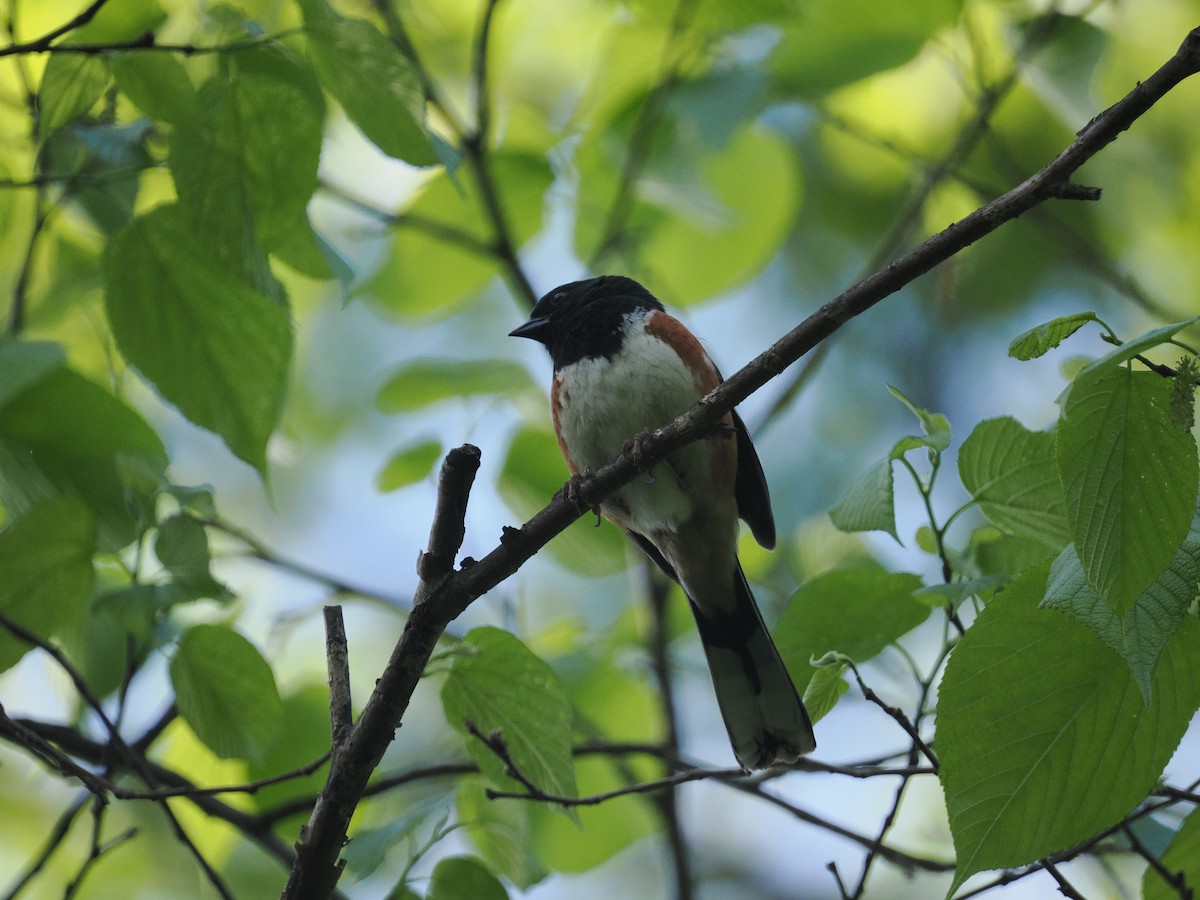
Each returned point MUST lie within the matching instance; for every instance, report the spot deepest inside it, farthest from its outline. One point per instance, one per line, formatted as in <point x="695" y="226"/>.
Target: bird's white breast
<point x="605" y="402"/>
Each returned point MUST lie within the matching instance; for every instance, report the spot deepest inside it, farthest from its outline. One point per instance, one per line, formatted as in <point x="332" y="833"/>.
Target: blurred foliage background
<point x="350" y="260"/>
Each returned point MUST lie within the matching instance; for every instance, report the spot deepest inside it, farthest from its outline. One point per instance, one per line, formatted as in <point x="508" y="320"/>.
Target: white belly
<point x="644" y="386"/>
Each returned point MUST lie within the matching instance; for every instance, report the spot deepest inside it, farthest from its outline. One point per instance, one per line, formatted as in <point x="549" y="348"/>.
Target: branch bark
<point x="443" y="598"/>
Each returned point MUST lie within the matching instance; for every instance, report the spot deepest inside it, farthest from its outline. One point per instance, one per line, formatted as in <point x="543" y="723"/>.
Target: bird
<point x="624" y="366"/>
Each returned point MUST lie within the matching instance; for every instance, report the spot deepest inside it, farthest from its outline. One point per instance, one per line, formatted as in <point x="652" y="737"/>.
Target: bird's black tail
<point x="767" y="722"/>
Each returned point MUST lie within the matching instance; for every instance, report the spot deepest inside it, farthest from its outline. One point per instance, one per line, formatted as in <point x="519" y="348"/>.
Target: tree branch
<point x="43" y="43"/>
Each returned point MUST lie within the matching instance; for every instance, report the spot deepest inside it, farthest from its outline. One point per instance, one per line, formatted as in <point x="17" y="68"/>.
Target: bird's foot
<point x="572" y="491"/>
<point x="636" y="447"/>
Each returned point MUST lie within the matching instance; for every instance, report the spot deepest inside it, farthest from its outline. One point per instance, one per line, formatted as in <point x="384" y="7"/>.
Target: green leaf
<point x="407" y="466"/>
<point x="824" y="48"/>
<point x="952" y="594"/>
<point x="246" y="166"/>
<point x="595" y="834"/>
<point x="706" y="219"/>
<point x="226" y="692"/>
<point x="935" y="426"/>
<point x="310" y="254"/>
<point x="1141" y="634"/>
<point x="1130" y="349"/>
<point x="182" y="547"/>
<point x="1182" y="858"/>
<point x="826" y="687"/>
<point x="1033" y="714"/>
<point x="1043" y="338"/>
<point x="376" y="85"/>
<point x="497" y="683"/>
<point x="23" y="363"/>
<point x="426" y="381"/>
<point x="754" y="189"/>
<point x="302" y="737"/>
<point x="369" y="847"/>
<point x="212" y="346"/>
<point x="1012" y="474"/>
<point x="464" y="878"/>
<point x="157" y="84"/>
<point x="501" y="831"/>
<point x="857" y="612"/>
<point x="71" y="85"/>
<point x="620" y="706"/>
<point x="46" y="558"/>
<point x="427" y="274"/>
<point x="532" y="474"/>
<point x="133" y="608"/>
<point x="868" y="504"/>
<point x="1130" y="476"/>
<point x="119" y="22"/>
<point x="65" y="436"/>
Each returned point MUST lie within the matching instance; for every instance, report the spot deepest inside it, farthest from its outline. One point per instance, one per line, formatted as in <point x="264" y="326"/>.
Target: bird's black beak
<point x="535" y="329"/>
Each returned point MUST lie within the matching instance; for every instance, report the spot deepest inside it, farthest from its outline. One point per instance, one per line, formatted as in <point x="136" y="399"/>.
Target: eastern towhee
<point x="622" y="365"/>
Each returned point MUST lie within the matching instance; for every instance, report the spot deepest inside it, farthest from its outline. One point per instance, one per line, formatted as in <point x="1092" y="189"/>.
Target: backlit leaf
<point x="497" y="683"/>
<point x="1033" y="714"/>
<point x="226" y="692"/>
<point x="1130" y="475"/>
<point x="211" y="345"/>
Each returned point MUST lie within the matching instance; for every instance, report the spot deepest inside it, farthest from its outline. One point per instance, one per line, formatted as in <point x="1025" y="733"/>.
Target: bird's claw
<point x="636" y="448"/>
<point x="572" y="491"/>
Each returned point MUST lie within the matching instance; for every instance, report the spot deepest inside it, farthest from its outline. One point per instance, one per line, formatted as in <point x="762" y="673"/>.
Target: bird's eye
<point x="558" y="298"/>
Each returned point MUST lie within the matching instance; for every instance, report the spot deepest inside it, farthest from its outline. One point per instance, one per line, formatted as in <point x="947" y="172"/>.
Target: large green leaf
<point x="46" y="561"/>
<point x="1130" y="474"/>
<point x="1012" y="474"/>
<point x="1141" y="634"/>
<point x="497" y="683"/>
<point x="377" y="87"/>
<point x="857" y="612"/>
<point x="65" y="436"/>
<point x="1034" y="713"/>
<point x="226" y="692"/>
<point x="211" y="345"/>
<point x="246" y="166"/>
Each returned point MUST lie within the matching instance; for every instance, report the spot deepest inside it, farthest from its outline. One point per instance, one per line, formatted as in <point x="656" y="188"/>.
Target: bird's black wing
<point x="750" y="488"/>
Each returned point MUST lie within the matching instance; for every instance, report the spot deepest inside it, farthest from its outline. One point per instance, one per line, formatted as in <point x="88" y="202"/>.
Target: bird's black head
<point x="582" y="320"/>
